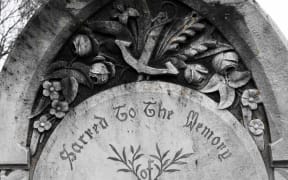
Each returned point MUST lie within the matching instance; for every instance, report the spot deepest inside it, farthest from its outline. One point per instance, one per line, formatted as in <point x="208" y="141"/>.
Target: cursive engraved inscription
<point x="149" y="109"/>
<point x="194" y="123"/>
<point x="77" y="146"/>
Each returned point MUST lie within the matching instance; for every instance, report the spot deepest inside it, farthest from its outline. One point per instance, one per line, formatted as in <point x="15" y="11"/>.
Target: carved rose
<point x="195" y="73"/>
<point x="51" y="89"/>
<point x="225" y="62"/>
<point x="251" y="98"/>
<point x="42" y="124"/>
<point x="256" y="127"/>
<point x="59" y="108"/>
<point x="99" y="73"/>
<point x="82" y="45"/>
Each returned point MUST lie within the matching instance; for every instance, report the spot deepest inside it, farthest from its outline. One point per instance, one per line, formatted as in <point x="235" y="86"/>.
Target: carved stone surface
<point x="139" y="126"/>
<point x="76" y="60"/>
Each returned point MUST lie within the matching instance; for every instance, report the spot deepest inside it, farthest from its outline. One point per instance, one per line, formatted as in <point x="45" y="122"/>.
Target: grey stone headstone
<point x="149" y="115"/>
<point x="144" y="89"/>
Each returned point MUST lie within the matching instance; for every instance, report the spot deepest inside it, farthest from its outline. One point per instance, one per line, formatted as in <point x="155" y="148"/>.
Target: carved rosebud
<point x="225" y="62"/>
<point x="195" y="73"/>
<point x="99" y="73"/>
<point x="82" y="45"/>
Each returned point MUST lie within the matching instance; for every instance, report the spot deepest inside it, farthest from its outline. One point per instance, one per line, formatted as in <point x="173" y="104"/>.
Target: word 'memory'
<point x="193" y="123"/>
<point x="79" y="144"/>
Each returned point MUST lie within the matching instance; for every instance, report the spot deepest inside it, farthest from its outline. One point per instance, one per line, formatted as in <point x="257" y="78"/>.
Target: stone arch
<point x="241" y="22"/>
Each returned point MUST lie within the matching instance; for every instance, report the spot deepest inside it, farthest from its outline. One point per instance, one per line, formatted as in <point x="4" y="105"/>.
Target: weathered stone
<point x="14" y="175"/>
<point x="281" y="174"/>
<point x="148" y="114"/>
<point x="45" y="85"/>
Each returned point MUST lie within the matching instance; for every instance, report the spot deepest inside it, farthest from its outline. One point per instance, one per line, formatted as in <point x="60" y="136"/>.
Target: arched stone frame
<point x="252" y="41"/>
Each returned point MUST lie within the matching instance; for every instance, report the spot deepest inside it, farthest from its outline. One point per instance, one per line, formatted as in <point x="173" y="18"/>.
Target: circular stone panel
<point x="153" y="131"/>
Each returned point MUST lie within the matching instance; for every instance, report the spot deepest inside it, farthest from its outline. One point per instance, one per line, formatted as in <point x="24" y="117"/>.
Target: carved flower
<point x="99" y="73"/>
<point x="42" y="124"/>
<point x="51" y="89"/>
<point x="226" y="85"/>
<point x="256" y="127"/>
<point x="123" y="14"/>
<point x="225" y="62"/>
<point x="195" y="73"/>
<point x="251" y="98"/>
<point x="59" y="108"/>
<point x="82" y="45"/>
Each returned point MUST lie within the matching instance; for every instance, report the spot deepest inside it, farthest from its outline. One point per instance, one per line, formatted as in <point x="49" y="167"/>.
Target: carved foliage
<point x="157" y="46"/>
<point x="164" y="163"/>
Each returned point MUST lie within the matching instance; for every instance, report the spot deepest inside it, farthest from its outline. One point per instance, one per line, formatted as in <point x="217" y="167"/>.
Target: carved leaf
<point x="180" y="162"/>
<point x="184" y="156"/>
<point x="227" y="96"/>
<point x="132" y="149"/>
<point x="259" y="140"/>
<point x="246" y="116"/>
<point x="81" y="67"/>
<point x="70" y="88"/>
<point x="124" y="155"/>
<point x="115" y="151"/>
<point x="206" y="48"/>
<point x="178" y="153"/>
<point x="56" y="66"/>
<point x="180" y="30"/>
<point x="157" y="167"/>
<point x="221" y="47"/>
<point x="165" y="154"/>
<point x="64" y="73"/>
<point x="177" y="62"/>
<point x="34" y="141"/>
<point x="112" y="28"/>
<point x="41" y="104"/>
<point x="114" y="159"/>
<point x="138" y="149"/>
<point x="214" y="84"/>
<point x="171" y="170"/>
<point x="158" y="151"/>
<point x="124" y="170"/>
<point x="166" y="162"/>
<point x="238" y="79"/>
<point x="138" y="156"/>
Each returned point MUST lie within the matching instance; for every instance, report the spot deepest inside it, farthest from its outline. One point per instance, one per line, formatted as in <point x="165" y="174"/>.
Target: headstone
<point x="150" y="131"/>
<point x="144" y="89"/>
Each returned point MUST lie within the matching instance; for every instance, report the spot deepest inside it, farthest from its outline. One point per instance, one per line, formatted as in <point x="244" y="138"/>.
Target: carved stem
<point x="140" y="67"/>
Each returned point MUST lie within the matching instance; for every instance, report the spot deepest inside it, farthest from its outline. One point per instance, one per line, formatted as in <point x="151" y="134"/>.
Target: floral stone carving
<point x="132" y="46"/>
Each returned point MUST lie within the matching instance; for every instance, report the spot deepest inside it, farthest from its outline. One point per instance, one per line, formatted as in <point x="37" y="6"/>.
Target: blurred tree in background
<point x="14" y="15"/>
